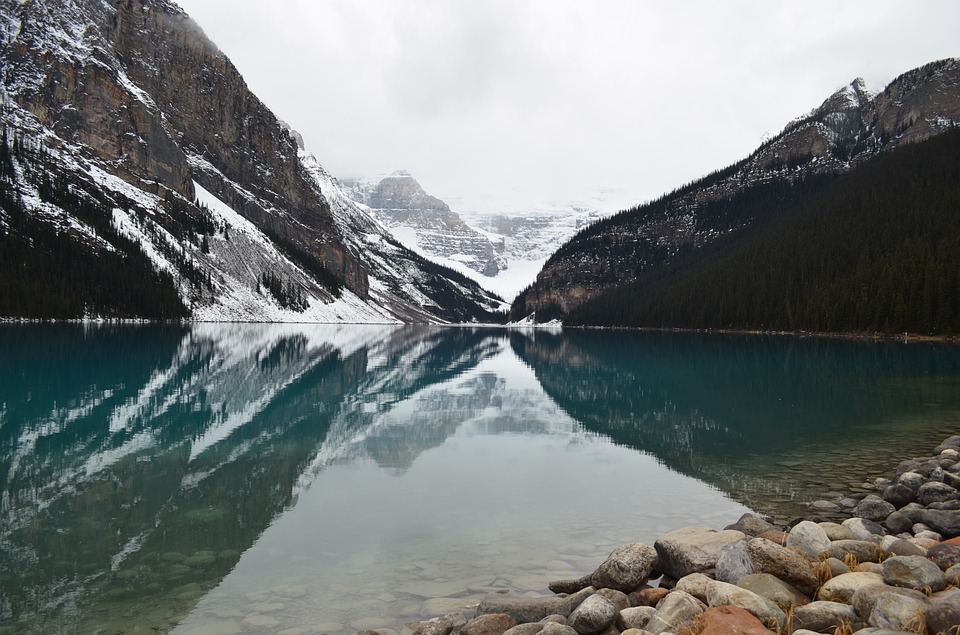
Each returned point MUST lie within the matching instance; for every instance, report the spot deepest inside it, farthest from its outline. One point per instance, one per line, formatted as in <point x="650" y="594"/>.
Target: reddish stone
<point x="730" y="620"/>
<point x="953" y="541"/>
<point x="774" y="535"/>
<point x="648" y="597"/>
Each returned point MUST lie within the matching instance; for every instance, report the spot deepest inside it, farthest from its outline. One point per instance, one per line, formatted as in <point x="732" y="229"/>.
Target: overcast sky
<point x="553" y="100"/>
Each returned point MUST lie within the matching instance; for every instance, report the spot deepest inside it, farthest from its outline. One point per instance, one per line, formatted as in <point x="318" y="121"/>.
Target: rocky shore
<point x="881" y="562"/>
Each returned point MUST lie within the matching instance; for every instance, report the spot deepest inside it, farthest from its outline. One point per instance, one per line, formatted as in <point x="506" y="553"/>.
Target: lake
<point x="229" y="478"/>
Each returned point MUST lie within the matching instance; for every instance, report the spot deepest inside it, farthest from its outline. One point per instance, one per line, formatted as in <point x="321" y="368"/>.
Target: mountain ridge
<point x="131" y="104"/>
<point x="847" y="130"/>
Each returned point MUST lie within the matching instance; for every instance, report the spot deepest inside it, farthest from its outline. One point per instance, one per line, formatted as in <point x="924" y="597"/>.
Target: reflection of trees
<point x="724" y="409"/>
<point x="132" y="484"/>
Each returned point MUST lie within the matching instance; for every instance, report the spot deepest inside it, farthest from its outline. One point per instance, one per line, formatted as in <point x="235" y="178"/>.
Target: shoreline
<point x="905" y="338"/>
<point x="885" y="559"/>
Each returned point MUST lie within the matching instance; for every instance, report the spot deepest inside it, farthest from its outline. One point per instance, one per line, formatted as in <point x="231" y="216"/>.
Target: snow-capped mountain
<point x="425" y="223"/>
<point x="501" y="245"/>
<point x="133" y="149"/>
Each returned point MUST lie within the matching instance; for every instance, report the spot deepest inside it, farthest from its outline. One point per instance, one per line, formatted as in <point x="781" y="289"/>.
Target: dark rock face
<point x="207" y="105"/>
<point x="143" y="89"/>
<point x="134" y="89"/>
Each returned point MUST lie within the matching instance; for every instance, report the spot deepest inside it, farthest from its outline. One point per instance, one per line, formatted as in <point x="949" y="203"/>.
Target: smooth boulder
<point x="789" y="566"/>
<point x="825" y="617"/>
<point x="525" y="610"/>
<point x="841" y="588"/>
<point x="626" y="568"/>
<point x="722" y="593"/>
<point x="490" y="624"/>
<point x="731" y="620"/>
<point x="808" y="538"/>
<point x="594" y="615"/>
<point x="774" y="589"/>
<point x="898" y="612"/>
<point x="678" y="610"/>
<point x="692" y="549"/>
<point x="913" y="572"/>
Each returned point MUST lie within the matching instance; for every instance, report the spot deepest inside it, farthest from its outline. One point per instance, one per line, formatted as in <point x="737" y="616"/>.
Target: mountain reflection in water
<point x="140" y="463"/>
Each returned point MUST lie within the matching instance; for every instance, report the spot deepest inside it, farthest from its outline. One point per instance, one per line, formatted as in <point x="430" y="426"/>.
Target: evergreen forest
<point x="52" y="268"/>
<point x="876" y="250"/>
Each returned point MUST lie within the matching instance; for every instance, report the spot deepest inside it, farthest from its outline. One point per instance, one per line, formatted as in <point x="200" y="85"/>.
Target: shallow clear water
<point x="294" y="478"/>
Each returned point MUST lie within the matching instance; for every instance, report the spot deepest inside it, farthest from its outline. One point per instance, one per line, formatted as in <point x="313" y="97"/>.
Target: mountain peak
<point x="129" y="106"/>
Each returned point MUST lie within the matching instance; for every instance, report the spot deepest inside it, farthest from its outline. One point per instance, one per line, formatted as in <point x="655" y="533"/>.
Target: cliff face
<point x="849" y="128"/>
<point x="134" y="89"/>
<point x="400" y="203"/>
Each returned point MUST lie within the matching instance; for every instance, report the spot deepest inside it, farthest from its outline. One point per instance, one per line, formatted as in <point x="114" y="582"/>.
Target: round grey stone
<point x="874" y="508"/>
<point x="733" y="562"/>
<point x="676" y="611"/>
<point x="865" y="598"/>
<point x="594" y="615"/>
<point x="864" y="528"/>
<point x="635" y="617"/>
<point x="808" y="538"/>
<point x="913" y="572"/>
<point x="936" y="492"/>
<point x="825" y="617"/>
<point x="944" y="555"/>
<point x="896" y="612"/>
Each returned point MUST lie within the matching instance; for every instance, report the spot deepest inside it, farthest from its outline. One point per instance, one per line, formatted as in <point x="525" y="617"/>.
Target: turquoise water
<point x="296" y="479"/>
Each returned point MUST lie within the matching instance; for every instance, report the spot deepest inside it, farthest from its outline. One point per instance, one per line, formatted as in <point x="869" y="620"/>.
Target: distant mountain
<point x="502" y="250"/>
<point x="425" y="223"/>
<point x="141" y="178"/>
<point x="821" y="228"/>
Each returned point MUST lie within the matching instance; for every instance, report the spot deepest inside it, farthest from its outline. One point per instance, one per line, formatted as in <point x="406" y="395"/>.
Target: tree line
<point x="50" y="269"/>
<point x="874" y="250"/>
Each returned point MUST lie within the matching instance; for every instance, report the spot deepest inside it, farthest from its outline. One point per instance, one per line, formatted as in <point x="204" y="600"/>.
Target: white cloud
<point x="554" y="97"/>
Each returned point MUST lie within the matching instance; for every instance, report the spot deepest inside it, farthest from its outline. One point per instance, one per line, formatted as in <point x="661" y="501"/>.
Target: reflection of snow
<point x="497" y="393"/>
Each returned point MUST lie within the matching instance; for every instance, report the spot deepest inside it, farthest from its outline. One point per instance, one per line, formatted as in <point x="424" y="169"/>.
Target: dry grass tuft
<point x="845" y="628"/>
<point x="917" y="623"/>
<point x="851" y="561"/>
<point x="824" y="573"/>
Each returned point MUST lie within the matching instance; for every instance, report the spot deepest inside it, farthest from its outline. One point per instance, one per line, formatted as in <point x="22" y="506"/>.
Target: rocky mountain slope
<point x="501" y="250"/>
<point x="426" y="223"/>
<point x="127" y="109"/>
<point x="848" y="130"/>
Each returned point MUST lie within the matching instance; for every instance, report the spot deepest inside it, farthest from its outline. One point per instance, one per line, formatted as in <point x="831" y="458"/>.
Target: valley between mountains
<point x="140" y="178"/>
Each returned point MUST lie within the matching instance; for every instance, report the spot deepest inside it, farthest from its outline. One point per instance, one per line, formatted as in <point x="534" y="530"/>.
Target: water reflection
<point x="145" y="469"/>
<point x="773" y="421"/>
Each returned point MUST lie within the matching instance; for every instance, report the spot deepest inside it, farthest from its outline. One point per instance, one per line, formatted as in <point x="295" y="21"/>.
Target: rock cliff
<point x="134" y="89"/>
<point x="401" y="204"/>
